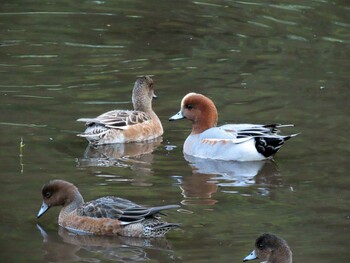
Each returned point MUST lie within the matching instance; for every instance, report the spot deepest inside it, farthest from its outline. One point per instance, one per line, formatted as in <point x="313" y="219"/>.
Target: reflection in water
<point x="66" y="246"/>
<point x="235" y="173"/>
<point x="197" y="189"/>
<point x="137" y="156"/>
<point x="208" y="175"/>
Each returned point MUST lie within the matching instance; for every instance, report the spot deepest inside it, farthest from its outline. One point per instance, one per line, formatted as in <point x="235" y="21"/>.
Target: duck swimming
<point x="237" y="142"/>
<point x="270" y="249"/>
<point x="124" y="126"/>
<point x="104" y="216"/>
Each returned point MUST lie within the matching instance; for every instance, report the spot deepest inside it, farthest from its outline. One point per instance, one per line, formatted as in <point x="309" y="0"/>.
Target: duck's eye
<point x="47" y="194"/>
<point x="189" y="106"/>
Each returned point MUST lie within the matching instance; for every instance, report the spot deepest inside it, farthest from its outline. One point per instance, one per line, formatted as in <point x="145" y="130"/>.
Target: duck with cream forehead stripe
<point x="238" y="142"/>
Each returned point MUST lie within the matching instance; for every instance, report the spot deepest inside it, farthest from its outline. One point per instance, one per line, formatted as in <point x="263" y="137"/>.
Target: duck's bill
<point x="44" y="207"/>
<point x="177" y="116"/>
<point x="251" y="256"/>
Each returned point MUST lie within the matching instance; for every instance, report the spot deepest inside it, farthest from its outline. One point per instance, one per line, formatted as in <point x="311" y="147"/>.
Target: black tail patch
<point x="268" y="146"/>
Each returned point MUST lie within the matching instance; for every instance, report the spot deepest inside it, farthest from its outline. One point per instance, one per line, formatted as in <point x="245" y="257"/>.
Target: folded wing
<point x="118" y="208"/>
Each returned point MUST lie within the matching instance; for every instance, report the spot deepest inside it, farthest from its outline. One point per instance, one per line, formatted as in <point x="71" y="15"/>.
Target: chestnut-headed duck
<point x="123" y="126"/>
<point x="271" y="249"/>
<point x="104" y="216"/>
<point x="238" y="142"/>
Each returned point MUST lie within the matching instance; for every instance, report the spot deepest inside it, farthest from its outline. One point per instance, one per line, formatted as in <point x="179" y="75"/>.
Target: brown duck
<point x="104" y="216"/>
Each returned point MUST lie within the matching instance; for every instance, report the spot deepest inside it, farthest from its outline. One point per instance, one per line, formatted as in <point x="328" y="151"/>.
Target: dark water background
<point x="260" y="61"/>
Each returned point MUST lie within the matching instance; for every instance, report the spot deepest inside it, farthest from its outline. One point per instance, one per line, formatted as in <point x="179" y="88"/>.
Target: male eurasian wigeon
<point x="105" y="216"/>
<point x="270" y="249"/>
<point x="123" y="126"/>
<point x="239" y="142"/>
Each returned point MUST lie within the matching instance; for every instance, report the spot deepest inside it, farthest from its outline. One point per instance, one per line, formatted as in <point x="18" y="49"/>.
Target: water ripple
<point x="34" y="97"/>
<point x="209" y="4"/>
<point x="35" y="56"/>
<point x="337" y="40"/>
<point x="295" y="37"/>
<point x="91" y="46"/>
<point x="99" y="102"/>
<point x="248" y="3"/>
<point x="298" y="8"/>
<point x="32" y="86"/>
<point x="258" y="24"/>
<point x="280" y="21"/>
<point x="341" y="24"/>
<point x="289" y="7"/>
<point x="31" y="125"/>
<point x="56" y="13"/>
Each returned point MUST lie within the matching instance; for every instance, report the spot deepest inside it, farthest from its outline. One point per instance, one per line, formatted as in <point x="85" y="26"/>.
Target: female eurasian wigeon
<point x="123" y="126"/>
<point x="105" y="216"/>
<point x="270" y="249"/>
<point x="239" y="142"/>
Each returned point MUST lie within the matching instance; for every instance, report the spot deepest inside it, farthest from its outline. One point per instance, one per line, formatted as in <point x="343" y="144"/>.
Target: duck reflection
<point x="137" y="156"/>
<point x="197" y="189"/>
<point x="66" y="246"/>
<point x="208" y="175"/>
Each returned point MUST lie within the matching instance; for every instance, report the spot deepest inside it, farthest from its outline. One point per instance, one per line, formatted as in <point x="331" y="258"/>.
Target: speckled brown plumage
<point x="122" y="126"/>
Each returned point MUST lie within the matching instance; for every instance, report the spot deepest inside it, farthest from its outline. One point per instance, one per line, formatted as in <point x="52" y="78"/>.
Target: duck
<point x="229" y="142"/>
<point x="107" y="216"/>
<point x="125" y="126"/>
<point x="271" y="249"/>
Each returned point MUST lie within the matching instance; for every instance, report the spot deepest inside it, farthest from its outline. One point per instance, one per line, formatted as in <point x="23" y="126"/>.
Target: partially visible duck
<point x="271" y="249"/>
<point x="239" y="142"/>
<point x="123" y="126"/>
<point x="104" y="216"/>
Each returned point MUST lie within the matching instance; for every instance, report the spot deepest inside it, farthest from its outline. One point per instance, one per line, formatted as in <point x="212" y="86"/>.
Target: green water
<point x="261" y="62"/>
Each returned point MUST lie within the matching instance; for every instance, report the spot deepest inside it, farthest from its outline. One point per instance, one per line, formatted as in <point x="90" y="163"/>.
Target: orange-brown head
<point x="200" y="110"/>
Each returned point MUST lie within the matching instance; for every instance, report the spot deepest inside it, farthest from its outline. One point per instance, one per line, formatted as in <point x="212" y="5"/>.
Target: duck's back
<point x="122" y="126"/>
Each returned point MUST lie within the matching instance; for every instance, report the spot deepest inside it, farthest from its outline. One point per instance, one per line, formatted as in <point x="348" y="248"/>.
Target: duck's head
<point x="200" y="110"/>
<point x="57" y="193"/>
<point x="270" y="248"/>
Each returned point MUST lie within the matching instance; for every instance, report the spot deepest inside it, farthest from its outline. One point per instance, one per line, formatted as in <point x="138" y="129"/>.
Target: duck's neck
<point x="141" y="102"/>
<point x="281" y="255"/>
<point x="207" y="119"/>
<point x="71" y="203"/>
<point x="141" y="106"/>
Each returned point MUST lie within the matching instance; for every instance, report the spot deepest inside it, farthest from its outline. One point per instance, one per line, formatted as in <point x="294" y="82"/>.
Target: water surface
<point x="260" y="61"/>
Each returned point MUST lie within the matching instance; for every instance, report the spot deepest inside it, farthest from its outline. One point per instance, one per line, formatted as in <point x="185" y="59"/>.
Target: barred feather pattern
<point x="117" y="119"/>
<point x="125" y="211"/>
<point x="112" y="123"/>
